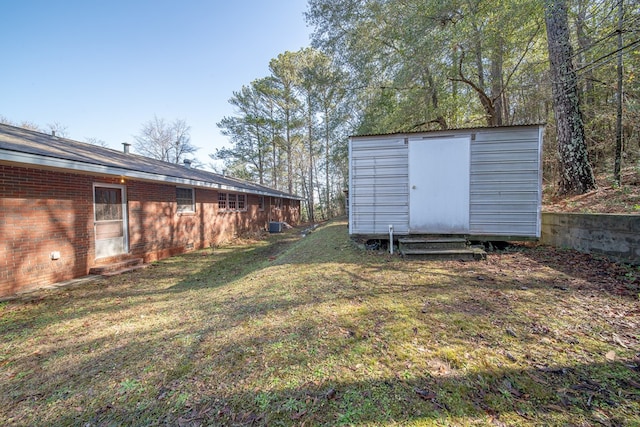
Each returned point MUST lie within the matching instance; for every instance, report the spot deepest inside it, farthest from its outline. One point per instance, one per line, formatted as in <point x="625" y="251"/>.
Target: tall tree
<point x="284" y="71"/>
<point x="576" y="175"/>
<point x="160" y="140"/>
<point x="409" y="56"/>
<point x="248" y="130"/>
<point x="267" y="87"/>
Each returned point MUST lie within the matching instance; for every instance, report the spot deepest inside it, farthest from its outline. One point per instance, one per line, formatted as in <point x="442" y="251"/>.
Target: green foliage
<point x="412" y="65"/>
<point x="288" y="130"/>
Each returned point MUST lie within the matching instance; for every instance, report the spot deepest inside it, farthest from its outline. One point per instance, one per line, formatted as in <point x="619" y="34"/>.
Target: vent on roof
<point x="187" y="163"/>
<point x="126" y="146"/>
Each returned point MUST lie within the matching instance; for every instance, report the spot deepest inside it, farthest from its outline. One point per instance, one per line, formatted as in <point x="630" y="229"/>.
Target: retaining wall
<point x="614" y="236"/>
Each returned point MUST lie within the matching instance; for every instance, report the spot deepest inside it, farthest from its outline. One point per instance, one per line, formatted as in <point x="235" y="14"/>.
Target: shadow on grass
<point x="203" y="370"/>
<point x="606" y="393"/>
<point x="181" y="374"/>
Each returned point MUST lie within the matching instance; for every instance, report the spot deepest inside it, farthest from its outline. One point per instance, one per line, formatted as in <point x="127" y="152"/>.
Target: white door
<point x="110" y="215"/>
<point x="439" y="185"/>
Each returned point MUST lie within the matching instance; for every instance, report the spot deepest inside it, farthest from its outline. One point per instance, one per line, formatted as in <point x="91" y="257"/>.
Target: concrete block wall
<point x="614" y="236"/>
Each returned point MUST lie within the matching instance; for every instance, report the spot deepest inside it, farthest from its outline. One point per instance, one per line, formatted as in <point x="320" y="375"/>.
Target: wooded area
<point x="382" y="66"/>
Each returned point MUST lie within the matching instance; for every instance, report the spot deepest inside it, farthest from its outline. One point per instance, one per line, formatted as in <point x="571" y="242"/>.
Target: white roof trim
<point x="52" y="162"/>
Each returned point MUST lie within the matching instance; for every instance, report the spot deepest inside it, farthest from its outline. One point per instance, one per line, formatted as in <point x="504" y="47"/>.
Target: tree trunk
<point x="310" y="137"/>
<point x="584" y="44"/>
<point x="496" y="83"/>
<point x="618" y="158"/>
<point x="576" y="176"/>
<point x="289" y="154"/>
<point x="327" y="142"/>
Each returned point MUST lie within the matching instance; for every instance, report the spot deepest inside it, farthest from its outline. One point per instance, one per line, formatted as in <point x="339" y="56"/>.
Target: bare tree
<point x="24" y="124"/>
<point x="96" y="141"/>
<point x="181" y="140"/>
<point x="58" y="129"/>
<point x="160" y="140"/>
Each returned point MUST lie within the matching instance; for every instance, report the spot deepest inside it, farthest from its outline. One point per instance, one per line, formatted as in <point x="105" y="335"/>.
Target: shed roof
<point x="436" y="131"/>
<point x="23" y="146"/>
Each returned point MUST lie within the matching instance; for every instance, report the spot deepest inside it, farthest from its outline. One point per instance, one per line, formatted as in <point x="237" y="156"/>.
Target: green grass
<point x="314" y="331"/>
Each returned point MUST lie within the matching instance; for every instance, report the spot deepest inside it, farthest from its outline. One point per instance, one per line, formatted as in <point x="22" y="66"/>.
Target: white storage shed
<point x="481" y="183"/>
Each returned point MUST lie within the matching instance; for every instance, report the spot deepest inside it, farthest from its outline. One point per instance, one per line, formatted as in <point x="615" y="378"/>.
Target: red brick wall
<point x="45" y="211"/>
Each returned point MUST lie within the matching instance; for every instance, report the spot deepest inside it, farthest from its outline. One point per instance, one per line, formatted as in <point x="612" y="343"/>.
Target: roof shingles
<point x="37" y="144"/>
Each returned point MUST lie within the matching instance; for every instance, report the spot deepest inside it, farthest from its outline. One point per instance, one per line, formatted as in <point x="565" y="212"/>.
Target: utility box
<point x="275" y="227"/>
<point x="481" y="182"/>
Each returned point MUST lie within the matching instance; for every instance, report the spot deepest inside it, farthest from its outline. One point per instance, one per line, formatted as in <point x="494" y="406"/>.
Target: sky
<point x="102" y="68"/>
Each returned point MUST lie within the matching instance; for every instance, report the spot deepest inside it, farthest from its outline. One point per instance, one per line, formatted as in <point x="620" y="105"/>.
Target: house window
<point x="260" y="203"/>
<point x="231" y="202"/>
<point x="278" y="202"/>
<point x="184" y="197"/>
<point x="108" y="204"/>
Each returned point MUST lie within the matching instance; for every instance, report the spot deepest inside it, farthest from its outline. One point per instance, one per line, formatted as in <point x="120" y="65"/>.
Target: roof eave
<point x="15" y="157"/>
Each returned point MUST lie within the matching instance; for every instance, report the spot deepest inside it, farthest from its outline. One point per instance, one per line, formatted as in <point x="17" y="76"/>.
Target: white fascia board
<point x="52" y="162"/>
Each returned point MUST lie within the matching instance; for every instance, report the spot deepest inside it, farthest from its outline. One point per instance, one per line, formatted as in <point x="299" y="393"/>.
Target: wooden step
<point x="433" y="242"/>
<point x="118" y="267"/>
<point x="467" y="254"/>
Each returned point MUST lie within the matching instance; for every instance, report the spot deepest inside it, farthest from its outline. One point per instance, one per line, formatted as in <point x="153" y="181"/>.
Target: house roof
<point x="36" y="149"/>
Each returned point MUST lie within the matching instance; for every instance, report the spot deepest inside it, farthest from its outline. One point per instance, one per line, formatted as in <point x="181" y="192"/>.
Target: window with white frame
<point x="242" y="202"/>
<point x="222" y="201"/>
<point x="185" y="200"/>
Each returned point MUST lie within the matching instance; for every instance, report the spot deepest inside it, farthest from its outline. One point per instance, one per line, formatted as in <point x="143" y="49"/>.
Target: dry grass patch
<point x="313" y="331"/>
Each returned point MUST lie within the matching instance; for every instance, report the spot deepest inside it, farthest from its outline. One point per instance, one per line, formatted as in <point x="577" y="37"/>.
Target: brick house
<point x="67" y="206"/>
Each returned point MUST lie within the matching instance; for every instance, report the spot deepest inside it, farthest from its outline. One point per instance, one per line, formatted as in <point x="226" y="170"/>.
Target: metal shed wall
<point x="505" y="181"/>
<point x="378" y="185"/>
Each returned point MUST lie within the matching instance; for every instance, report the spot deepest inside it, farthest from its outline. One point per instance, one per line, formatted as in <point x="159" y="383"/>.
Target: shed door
<point x="439" y="185"/>
<point x="110" y="221"/>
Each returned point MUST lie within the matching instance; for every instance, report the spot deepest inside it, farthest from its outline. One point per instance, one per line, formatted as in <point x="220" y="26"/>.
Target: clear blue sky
<point x="104" y="67"/>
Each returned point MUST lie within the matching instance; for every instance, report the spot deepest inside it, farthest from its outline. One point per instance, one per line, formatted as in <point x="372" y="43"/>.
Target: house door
<point x="439" y="185"/>
<point x="110" y="221"/>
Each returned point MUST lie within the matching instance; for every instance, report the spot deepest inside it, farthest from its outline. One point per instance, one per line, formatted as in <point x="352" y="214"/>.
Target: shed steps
<point x="117" y="268"/>
<point x="439" y="248"/>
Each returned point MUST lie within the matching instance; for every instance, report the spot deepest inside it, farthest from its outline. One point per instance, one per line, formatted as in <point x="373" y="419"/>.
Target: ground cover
<point x="292" y="330"/>
<point x="607" y="198"/>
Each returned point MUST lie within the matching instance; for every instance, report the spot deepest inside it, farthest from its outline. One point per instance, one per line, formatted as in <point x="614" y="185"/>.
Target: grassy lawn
<point x="314" y="331"/>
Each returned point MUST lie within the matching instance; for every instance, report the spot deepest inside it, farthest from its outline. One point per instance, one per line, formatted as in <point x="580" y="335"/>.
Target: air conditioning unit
<point x="275" y="227"/>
